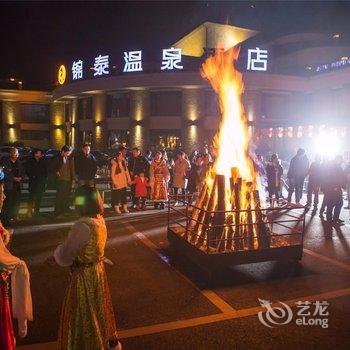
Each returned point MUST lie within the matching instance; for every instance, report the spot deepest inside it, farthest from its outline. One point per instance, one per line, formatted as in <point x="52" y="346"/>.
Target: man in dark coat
<point x="13" y="172"/>
<point x="137" y="164"/>
<point x="298" y="170"/>
<point x="62" y="166"/>
<point x="36" y="171"/>
<point x="334" y="183"/>
<point x="85" y="167"/>
<point x="315" y="174"/>
<point x="274" y="171"/>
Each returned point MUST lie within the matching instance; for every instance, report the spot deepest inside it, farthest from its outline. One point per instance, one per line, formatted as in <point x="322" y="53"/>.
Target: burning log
<point x="263" y="233"/>
<point x="238" y="232"/>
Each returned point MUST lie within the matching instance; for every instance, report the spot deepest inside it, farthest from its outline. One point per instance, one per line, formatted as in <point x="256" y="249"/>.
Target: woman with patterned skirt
<point x="20" y="288"/>
<point x="87" y="319"/>
<point x="159" y="178"/>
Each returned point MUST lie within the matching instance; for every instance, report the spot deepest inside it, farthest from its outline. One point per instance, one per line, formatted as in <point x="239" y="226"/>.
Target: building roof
<point x="209" y="35"/>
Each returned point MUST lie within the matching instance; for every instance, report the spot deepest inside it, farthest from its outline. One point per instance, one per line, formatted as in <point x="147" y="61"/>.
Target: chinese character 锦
<point x="171" y="59"/>
<point x="77" y="69"/>
<point x="101" y="65"/>
<point x="133" y="61"/>
<point x="258" y="61"/>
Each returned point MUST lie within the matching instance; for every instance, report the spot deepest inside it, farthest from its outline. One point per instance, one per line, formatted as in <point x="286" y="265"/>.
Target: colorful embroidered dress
<point x="159" y="177"/>
<point x="87" y="320"/>
<point x="7" y="337"/>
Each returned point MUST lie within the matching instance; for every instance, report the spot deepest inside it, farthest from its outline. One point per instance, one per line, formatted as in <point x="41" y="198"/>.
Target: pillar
<point x="11" y="119"/>
<point x="139" y="115"/>
<point x="192" y="114"/>
<point x="58" y="125"/>
<point x="99" y="114"/>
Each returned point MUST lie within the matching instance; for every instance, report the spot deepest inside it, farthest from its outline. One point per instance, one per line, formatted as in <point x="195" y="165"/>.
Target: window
<point x="165" y="139"/>
<point x="211" y="104"/>
<point x="34" y="135"/>
<point x="85" y="108"/>
<point x="118" y="105"/>
<point x="35" y="113"/>
<point x="166" y="103"/>
<point x="118" y="138"/>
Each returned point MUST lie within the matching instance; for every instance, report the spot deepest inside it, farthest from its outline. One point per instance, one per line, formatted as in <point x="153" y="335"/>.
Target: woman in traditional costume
<point x="14" y="273"/>
<point x="159" y="178"/>
<point x="87" y="319"/>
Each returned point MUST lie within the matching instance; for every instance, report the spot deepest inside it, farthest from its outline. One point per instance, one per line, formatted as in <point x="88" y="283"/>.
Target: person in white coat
<point x="181" y="169"/>
<point x="120" y="180"/>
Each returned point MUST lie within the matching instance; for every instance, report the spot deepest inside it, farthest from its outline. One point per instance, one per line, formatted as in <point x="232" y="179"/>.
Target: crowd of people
<point x="331" y="176"/>
<point x="152" y="176"/>
<point x="148" y="177"/>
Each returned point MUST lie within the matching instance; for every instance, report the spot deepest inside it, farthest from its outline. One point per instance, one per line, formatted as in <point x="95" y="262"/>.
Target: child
<point x="140" y="183"/>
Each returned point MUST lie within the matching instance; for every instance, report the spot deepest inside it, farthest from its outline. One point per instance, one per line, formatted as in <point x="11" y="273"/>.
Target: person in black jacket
<point x="298" y="170"/>
<point x="85" y="167"/>
<point x="13" y="172"/>
<point x="274" y="171"/>
<point x="137" y="164"/>
<point x="62" y="166"/>
<point x="36" y="171"/>
<point x="315" y="173"/>
<point x="334" y="183"/>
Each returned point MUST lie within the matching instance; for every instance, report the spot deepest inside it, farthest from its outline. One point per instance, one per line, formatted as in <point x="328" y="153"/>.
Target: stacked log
<point x="228" y="219"/>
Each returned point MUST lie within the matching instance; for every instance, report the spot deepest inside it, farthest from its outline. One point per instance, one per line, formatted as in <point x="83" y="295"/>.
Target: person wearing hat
<point x="63" y="168"/>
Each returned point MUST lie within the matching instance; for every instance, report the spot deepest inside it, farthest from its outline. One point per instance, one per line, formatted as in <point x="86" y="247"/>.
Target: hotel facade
<point x="298" y="88"/>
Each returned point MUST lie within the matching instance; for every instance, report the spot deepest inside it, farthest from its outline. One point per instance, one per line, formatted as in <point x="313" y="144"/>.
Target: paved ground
<point x="159" y="305"/>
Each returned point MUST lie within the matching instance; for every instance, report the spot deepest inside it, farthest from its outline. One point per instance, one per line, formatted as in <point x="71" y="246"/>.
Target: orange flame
<point x="231" y="143"/>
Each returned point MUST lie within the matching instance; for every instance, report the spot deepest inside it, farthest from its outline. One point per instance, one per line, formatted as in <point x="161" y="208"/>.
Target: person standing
<point x="85" y="165"/>
<point x="13" y="172"/>
<point x="87" y="317"/>
<point x="137" y="164"/>
<point x="334" y="183"/>
<point x="159" y="178"/>
<point x="120" y="180"/>
<point x="194" y="176"/>
<point x="141" y="191"/>
<point x="63" y="168"/>
<point x="314" y="184"/>
<point x="298" y="170"/>
<point x="22" y="307"/>
<point x="36" y="171"/>
<point x="274" y="172"/>
<point x="181" y="169"/>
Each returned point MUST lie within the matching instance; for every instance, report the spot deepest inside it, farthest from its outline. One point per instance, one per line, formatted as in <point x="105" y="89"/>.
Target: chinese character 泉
<point x="101" y="65"/>
<point x="133" y="61"/>
<point x="257" y="59"/>
<point x="171" y="59"/>
<point x="77" y="69"/>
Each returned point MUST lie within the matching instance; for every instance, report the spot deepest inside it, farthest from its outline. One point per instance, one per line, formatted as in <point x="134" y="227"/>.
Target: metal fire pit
<point x="285" y="226"/>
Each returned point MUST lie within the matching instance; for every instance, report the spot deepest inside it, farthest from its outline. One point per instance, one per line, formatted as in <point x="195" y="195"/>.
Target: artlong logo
<point x="274" y="315"/>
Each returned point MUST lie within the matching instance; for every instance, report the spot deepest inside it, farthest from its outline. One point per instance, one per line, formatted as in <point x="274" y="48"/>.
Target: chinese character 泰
<point x="171" y="59"/>
<point x="260" y="60"/>
<point x="101" y="65"/>
<point x="77" y="69"/>
<point x="133" y="61"/>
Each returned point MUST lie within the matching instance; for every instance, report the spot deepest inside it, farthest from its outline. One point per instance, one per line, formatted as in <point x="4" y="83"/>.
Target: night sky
<point x="38" y="36"/>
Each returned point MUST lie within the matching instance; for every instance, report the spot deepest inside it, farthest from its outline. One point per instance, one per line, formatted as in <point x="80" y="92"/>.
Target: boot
<point x="125" y="208"/>
<point x="117" y="209"/>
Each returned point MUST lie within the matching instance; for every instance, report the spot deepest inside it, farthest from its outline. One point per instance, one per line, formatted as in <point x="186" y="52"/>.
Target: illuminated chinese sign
<point x="333" y="65"/>
<point x="257" y="59"/>
<point x="132" y="61"/>
<point x="62" y="73"/>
